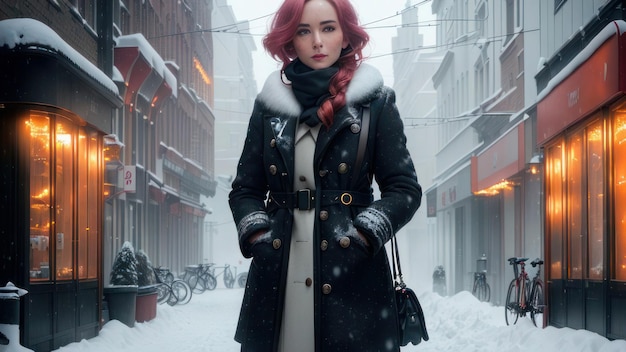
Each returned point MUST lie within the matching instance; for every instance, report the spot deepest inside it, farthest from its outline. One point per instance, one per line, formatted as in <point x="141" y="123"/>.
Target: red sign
<point x="591" y="85"/>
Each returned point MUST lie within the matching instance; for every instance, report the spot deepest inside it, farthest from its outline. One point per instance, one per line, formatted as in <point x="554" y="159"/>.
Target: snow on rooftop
<point x="34" y="34"/>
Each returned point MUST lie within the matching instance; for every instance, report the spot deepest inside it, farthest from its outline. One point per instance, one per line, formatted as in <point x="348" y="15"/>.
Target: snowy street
<point x="457" y="323"/>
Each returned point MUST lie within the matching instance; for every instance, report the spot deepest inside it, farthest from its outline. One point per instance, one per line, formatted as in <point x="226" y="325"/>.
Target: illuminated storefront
<point x="55" y="109"/>
<point x="581" y="123"/>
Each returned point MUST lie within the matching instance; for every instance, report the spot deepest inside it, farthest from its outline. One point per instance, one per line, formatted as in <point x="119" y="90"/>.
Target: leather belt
<point x="304" y="199"/>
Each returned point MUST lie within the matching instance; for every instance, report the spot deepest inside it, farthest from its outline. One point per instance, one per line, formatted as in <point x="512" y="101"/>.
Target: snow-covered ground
<point x="456" y="323"/>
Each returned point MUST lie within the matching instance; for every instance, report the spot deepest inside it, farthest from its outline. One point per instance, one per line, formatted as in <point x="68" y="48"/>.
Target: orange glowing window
<point x="619" y="169"/>
<point x="205" y="76"/>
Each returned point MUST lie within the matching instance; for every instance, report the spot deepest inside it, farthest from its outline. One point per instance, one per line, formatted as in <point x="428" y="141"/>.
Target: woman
<point x="302" y="198"/>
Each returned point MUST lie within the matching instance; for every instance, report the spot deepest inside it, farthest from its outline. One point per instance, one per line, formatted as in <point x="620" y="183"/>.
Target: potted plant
<point x="121" y="295"/>
<point x="147" y="290"/>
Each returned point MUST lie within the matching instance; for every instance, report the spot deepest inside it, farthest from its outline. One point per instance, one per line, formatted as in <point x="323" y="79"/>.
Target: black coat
<point x="354" y="301"/>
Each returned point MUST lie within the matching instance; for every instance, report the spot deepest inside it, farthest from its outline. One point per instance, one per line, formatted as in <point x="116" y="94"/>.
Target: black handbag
<point x="412" y="325"/>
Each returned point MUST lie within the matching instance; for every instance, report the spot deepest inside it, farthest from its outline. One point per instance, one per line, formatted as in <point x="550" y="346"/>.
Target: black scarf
<point x="310" y="88"/>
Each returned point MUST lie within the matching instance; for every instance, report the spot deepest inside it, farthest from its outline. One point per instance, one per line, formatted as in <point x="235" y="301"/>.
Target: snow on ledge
<point x="34" y="34"/>
<point x="614" y="28"/>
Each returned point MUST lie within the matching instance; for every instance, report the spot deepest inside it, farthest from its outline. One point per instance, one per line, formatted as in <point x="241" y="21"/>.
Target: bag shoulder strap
<point x="395" y="258"/>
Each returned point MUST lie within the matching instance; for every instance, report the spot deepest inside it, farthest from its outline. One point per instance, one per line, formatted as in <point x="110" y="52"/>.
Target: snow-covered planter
<point x="121" y="295"/>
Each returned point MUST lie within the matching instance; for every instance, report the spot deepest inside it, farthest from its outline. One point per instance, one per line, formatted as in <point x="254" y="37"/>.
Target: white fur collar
<point x="279" y="97"/>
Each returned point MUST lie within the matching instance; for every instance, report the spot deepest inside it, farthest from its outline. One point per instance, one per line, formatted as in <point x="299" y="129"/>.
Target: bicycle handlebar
<point x="516" y="260"/>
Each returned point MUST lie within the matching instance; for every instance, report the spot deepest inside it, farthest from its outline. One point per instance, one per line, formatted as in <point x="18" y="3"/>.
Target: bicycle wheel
<point x="537" y="305"/>
<point x="163" y="293"/>
<point x="200" y="285"/>
<point x="511" y="305"/>
<point x="182" y="292"/>
<point x="169" y="278"/>
<point x="487" y="292"/>
<point x="480" y="289"/>
<point x="229" y="278"/>
<point x="242" y="278"/>
<point x="192" y="281"/>
<point x="475" y="287"/>
<point x="211" y="282"/>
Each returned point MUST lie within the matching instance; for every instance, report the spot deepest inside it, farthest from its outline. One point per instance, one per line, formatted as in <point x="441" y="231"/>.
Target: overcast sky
<point x="380" y="17"/>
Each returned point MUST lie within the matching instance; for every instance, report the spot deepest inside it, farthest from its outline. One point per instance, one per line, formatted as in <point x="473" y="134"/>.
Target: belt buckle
<point x="304" y="199"/>
<point x="345" y="198"/>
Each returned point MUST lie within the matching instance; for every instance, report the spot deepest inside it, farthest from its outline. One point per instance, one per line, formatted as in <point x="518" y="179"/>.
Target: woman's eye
<point x="329" y="29"/>
<point x="302" y="32"/>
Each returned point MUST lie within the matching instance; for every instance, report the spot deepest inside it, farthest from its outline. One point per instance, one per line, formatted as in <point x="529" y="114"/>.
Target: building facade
<point x="416" y="99"/>
<point x="57" y="105"/>
<point x="580" y="121"/>
<point x="106" y="114"/>
<point x="164" y="58"/>
<point x="530" y="166"/>
<point x="480" y="97"/>
<point x="235" y="91"/>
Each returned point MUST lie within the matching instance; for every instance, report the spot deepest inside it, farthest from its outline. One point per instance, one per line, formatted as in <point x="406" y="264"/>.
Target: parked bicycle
<point x="229" y="277"/>
<point x="242" y="278"/>
<point x="525" y="296"/>
<point x="481" y="289"/>
<point x="439" y="281"/>
<point x="200" y="277"/>
<point x="171" y="290"/>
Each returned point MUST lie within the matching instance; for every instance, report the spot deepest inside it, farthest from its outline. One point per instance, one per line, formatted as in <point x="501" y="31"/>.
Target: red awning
<point x="143" y="70"/>
<point x="499" y="161"/>
<point x="593" y="78"/>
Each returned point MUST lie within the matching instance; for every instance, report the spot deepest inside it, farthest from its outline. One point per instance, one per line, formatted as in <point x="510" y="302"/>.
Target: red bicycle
<point x="525" y="296"/>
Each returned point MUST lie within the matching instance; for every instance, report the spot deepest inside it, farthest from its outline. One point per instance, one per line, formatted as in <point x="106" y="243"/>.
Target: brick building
<point x="107" y="136"/>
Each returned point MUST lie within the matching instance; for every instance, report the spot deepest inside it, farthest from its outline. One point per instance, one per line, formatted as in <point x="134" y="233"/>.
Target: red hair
<point x="279" y="44"/>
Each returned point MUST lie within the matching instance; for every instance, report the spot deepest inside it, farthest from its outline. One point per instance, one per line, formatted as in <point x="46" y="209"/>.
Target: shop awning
<point x="143" y="70"/>
<point x="593" y="78"/>
<point x="500" y="160"/>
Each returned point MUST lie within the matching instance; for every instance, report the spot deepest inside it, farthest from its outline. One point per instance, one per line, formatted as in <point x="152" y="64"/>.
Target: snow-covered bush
<point x="124" y="271"/>
<point x="145" y="272"/>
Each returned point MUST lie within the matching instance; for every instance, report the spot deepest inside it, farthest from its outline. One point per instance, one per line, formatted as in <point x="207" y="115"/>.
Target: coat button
<point x="308" y="282"/>
<point x="324" y="245"/>
<point x="273" y="143"/>
<point x="355" y="128"/>
<point x="302" y="179"/>
<point x="323" y="173"/>
<point x="344" y="242"/>
<point x="273" y="169"/>
<point x="323" y="215"/>
<point x="343" y="168"/>
<point x="276" y="243"/>
<point x="326" y="288"/>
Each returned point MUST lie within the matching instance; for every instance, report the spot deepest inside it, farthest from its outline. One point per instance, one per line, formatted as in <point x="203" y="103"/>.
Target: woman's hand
<point x="255" y="236"/>
<point x="363" y="238"/>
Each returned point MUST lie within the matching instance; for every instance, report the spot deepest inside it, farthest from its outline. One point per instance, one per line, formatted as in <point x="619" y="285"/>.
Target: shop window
<point x="38" y="127"/>
<point x="63" y="195"/>
<point x="88" y="179"/>
<point x="595" y="189"/>
<point x="554" y="208"/>
<point x="66" y="168"/>
<point x="619" y="162"/>
<point x="575" y="230"/>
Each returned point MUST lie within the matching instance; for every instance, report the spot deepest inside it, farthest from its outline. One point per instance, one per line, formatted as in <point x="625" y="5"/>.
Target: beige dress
<point x="297" y="329"/>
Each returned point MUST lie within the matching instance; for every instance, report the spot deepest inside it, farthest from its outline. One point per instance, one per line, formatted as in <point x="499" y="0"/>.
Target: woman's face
<point x="319" y="39"/>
